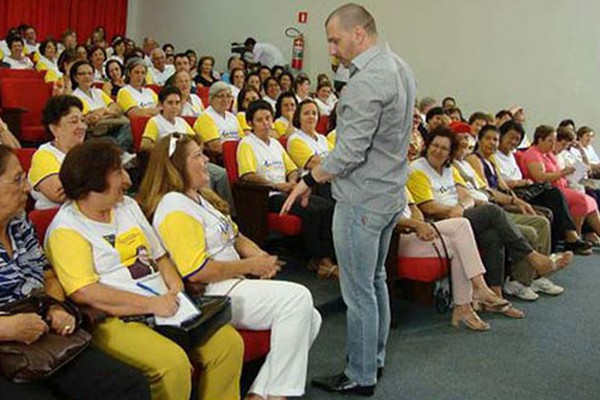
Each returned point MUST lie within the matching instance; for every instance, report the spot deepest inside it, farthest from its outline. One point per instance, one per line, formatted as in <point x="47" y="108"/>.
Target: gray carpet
<point x="554" y="353"/>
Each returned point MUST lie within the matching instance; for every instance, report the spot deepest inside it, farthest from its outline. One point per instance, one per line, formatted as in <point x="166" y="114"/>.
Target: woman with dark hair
<point x="246" y="96"/>
<point x="24" y="270"/>
<point x="440" y="192"/>
<point x="207" y="248"/>
<point x="16" y="59"/>
<point x="134" y="98"/>
<point x="286" y="81"/>
<point x="306" y="146"/>
<point x="284" y="114"/>
<point x="253" y="79"/>
<point x="272" y="91"/>
<point x="97" y="57"/>
<point x="118" y="46"/>
<point x="113" y="70"/>
<point x="107" y="256"/>
<point x="325" y="98"/>
<point x="238" y="80"/>
<point x="82" y="52"/>
<point x="302" y="88"/>
<point x="48" y="61"/>
<point x="205" y="76"/>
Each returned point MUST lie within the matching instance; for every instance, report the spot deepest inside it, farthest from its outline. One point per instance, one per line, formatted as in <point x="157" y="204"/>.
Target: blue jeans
<point x="361" y="239"/>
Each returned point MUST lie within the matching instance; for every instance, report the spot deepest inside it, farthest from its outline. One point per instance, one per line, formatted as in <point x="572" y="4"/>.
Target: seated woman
<point x="238" y="80"/>
<point x="207" y="248"/>
<point x="65" y="62"/>
<point x="306" y="147"/>
<point x="262" y="159"/>
<point x="272" y="91"/>
<point x="285" y="82"/>
<point x="416" y="144"/>
<point x="63" y="118"/>
<point x="466" y="266"/>
<point x="7" y="138"/>
<point x="539" y="164"/>
<point x="116" y="78"/>
<point x="284" y="114"/>
<point x="501" y="172"/>
<point x="48" y="61"/>
<point x="24" y="270"/>
<point x="246" y="96"/>
<point x="134" y="99"/>
<point x="107" y="256"/>
<point x="205" y="76"/>
<point x="536" y="228"/>
<point x="217" y="124"/>
<point x="191" y="104"/>
<point x="440" y="193"/>
<point x="118" y="46"/>
<point x="301" y="88"/>
<point x="324" y="98"/>
<point x="100" y="112"/>
<point x="16" y="59"/>
<point x="585" y="136"/>
<point x="97" y="57"/>
<point x="253" y="79"/>
<point x="168" y="121"/>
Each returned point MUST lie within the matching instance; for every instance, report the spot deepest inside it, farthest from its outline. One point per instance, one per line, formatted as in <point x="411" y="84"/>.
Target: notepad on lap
<point x="186" y="311"/>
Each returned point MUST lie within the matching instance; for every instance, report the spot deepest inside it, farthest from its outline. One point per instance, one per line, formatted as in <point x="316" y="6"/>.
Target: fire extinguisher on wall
<point x="297" y="48"/>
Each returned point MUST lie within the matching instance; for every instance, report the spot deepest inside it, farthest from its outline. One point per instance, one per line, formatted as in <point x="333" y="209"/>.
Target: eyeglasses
<point x="224" y="96"/>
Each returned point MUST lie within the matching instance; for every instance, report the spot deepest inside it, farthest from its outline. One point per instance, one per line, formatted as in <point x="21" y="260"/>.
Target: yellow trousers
<point x="166" y="365"/>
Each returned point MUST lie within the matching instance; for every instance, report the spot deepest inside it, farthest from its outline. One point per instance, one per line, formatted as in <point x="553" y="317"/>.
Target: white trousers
<point x="286" y="309"/>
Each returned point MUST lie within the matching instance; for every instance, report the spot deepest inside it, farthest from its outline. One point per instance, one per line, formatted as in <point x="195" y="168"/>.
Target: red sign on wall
<point x="302" y="17"/>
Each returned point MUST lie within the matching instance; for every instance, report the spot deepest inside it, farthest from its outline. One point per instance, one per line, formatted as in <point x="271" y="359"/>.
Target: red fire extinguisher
<point x="298" y="52"/>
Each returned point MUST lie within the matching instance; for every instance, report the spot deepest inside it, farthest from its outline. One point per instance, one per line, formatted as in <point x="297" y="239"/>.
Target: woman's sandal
<point x="494" y="302"/>
<point x="471" y="320"/>
<point x="508" y="311"/>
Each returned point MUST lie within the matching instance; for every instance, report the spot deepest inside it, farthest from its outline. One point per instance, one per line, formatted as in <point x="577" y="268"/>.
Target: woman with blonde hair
<point x="207" y="248"/>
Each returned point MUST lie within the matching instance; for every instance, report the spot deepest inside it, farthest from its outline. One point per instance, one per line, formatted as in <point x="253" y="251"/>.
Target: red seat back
<point x="7" y="73"/>
<point x="155" y="88"/>
<point x="41" y="221"/>
<point x="29" y="94"/>
<point x="138" y="124"/>
<point x="190" y="120"/>
<point x="230" y="160"/>
<point x="203" y="94"/>
<point x="25" y="155"/>
<point x="323" y="124"/>
<point x="283" y="140"/>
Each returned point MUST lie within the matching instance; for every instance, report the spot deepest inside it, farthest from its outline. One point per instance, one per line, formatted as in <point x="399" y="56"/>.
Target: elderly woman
<point x="116" y="78"/>
<point x="539" y="164"/>
<point x="191" y="104"/>
<point x="207" y="248"/>
<point x="421" y="240"/>
<point x="262" y="159"/>
<point x="284" y="114"/>
<point x="24" y="270"/>
<point x="134" y="99"/>
<point x="246" y="96"/>
<point x="97" y="57"/>
<point x="102" y="115"/>
<point x="440" y="193"/>
<point x="205" y="76"/>
<point x="48" y="61"/>
<point x="217" y="123"/>
<point x="107" y="256"/>
<point x="16" y="59"/>
<point x="63" y="118"/>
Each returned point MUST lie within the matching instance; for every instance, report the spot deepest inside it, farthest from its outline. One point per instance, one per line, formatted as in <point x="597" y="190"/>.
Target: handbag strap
<point x="446" y="257"/>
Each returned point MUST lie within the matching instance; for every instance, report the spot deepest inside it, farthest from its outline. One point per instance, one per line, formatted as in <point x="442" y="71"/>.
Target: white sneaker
<point x="546" y="286"/>
<point x="519" y="290"/>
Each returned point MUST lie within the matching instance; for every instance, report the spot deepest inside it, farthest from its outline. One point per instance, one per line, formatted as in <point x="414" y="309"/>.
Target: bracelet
<point x="309" y="180"/>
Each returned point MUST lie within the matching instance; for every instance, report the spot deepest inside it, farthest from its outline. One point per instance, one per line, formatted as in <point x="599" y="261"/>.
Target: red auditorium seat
<point x="155" y="88"/>
<point x="41" y="221"/>
<point x="7" y="73"/>
<point x="251" y="202"/>
<point x="27" y="98"/>
<point x="202" y="92"/>
<point x="190" y="120"/>
<point x="323" y="124"/>
<point x="25" y="155"/>
<point x="138" y="124"/>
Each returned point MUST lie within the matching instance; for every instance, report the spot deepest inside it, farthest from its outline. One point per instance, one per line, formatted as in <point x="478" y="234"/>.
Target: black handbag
<point x="20" y="362"/>
<point x="532" y="191"/>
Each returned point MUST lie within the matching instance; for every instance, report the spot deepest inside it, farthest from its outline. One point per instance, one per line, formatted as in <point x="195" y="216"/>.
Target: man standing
<point x="368" y="169"/>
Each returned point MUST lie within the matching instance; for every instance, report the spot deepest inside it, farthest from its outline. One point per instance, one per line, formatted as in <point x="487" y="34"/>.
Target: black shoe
<point x="379" y="372"/>
<point x="340" y="383"/>
<point x="579" y="247"/>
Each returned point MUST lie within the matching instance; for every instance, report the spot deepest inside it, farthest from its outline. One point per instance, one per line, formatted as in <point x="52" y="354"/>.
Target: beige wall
<point x="541" y="54"/>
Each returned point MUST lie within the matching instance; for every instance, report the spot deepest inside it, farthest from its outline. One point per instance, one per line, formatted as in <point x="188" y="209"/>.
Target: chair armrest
<point x="252" y="205"/>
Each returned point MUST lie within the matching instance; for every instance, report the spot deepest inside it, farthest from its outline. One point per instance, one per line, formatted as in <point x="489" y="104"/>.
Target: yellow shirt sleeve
<point x="331" y="139"/>
<point x="184" y="239"/>
<point x="299" y="151"/>
<point x="125" y="100"/>
<point x="86" y="106"/>
<point x="241" y="117"/>
<point x="188" y="129"/>
<point x="280" y="127"/>
<point x="409" y="198"/>
<point x="43" y="164"/>
<point x="458" y="179"/>
<point x="246" y="159"/>
<point x="207" y="128"/>
<point x="289" y="164"/>
<point x="420" y="187"/>
<point x="151" y="130"/>
<point x="70" y="254"/>
<point x="105" y="98"/>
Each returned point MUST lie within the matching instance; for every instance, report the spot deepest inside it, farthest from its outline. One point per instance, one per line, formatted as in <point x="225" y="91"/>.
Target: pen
<point x="147" y="288"/>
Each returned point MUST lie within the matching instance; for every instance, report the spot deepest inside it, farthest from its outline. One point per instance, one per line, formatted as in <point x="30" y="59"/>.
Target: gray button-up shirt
<point x="374" y="123"/>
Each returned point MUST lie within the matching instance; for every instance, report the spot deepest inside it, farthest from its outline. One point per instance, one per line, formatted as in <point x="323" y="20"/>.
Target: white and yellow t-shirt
<point x="98" y="99"/>
<point x="120" y="254"/>
<point x="281" y="125"/>
<point x="241" y="116"/>
<point x="156" y="77"/>
<point x="53" y="74"/>
<point x="46" y="162"/>
<point x="267" y="160"/>
<point x="159" y="127"/>
<point x="194" y="232"/>
<point x="507" y="166"/>
<point x="473" y="182"/>
<point x="302" y="147"/>
<point x="129" y="97"/>
<point x="426" y="184"/>
<point x="23" y="63"/>
<point x="193" y="107"/>
<point x="211" y="126"/>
